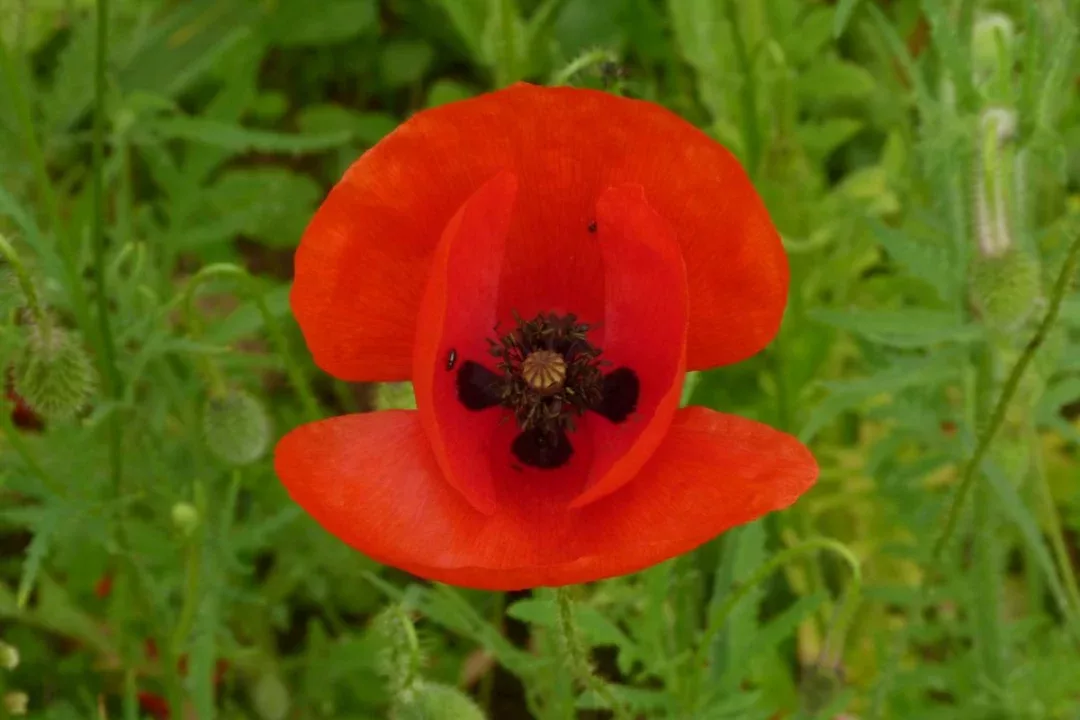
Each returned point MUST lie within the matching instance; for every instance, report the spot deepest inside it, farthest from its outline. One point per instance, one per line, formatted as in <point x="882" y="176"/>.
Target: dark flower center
<point x="548" y="374"/>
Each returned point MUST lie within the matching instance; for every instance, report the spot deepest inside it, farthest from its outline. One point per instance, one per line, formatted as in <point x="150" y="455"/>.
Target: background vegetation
<point x="922" y="160"/>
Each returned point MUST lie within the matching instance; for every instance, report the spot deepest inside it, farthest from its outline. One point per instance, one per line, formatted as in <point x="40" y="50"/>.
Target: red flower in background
<point x="558" y="258"/>
<point x="22" y="415"/>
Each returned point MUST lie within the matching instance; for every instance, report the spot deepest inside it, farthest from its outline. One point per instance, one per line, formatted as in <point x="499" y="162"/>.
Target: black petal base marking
<point x="539" y="450"/>
<point x="621" y="391"/>
<point x="478" y="387"/>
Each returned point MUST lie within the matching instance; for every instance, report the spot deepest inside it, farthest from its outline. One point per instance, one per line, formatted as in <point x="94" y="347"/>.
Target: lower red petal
<point x="373" y="481"/>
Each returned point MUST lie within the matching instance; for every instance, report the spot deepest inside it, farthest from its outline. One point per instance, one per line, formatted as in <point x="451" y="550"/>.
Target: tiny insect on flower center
<point x="548" y="376"/>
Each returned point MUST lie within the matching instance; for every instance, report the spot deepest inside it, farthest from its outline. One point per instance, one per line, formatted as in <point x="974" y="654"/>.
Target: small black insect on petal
<point x="478" y="387"/>
<point x="592" y="226"/>
<point x="621" y="391"/>
<point x="451" y="359"/>
<point x="537" y="449"/>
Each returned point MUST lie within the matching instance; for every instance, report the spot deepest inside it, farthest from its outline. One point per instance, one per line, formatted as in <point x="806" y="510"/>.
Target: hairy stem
<point x="577" y="655"/>
<point x="1061" y="286"/>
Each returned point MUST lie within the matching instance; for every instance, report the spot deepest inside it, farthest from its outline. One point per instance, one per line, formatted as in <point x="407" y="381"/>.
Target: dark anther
<point x="592" y="226"/>
<point x="621" y="391"/>
<point x="537" y="449"/>
<point x="478" y="388"/>
<point x="451" y="359"/>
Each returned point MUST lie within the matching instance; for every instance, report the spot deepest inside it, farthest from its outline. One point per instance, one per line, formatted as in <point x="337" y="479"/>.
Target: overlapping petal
<point x="373" y="481"/>
<point x="362" y="261"/>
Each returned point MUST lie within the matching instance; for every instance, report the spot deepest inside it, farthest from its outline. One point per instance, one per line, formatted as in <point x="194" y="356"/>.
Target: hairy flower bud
<point x="54" y="376"/>
<point x="236" y="427"/>
<point x="990" y="30"/>
<point x="400" y="657"/>
<point x="432" y="701"/>
<point x="1005" y="288"/>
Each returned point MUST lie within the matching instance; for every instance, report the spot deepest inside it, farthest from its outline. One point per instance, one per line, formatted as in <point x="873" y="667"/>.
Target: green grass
<point x="161" y="168"/>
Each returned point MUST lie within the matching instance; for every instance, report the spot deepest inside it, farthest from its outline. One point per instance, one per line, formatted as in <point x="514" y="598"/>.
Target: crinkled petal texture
<point x="373" y="480"/>
<point x="360" y="265"/>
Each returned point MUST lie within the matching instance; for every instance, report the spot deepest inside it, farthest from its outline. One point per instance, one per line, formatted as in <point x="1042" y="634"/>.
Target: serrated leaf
<point x="850" y="394"/>
<point x="832" y="79"/>
<point x="270" y="204"/>
<point x="298" y="23"/>
<point x="844" y="10"/>
<point x="404" y="62"/>
<point x="467" y="17"/>
<point x="924" y="261"/>
<point x="327" y="119"/>
<point x="908" y="328"/>
<point x="742" y="552"/>
<point x="1013" y="507"/>
<point x="821" y="138"/>
<point x="239" y="139"/>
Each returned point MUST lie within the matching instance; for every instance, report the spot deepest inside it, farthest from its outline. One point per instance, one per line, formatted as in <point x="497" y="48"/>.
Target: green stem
<point x="1061" y="286"/>
<point x="579" y="659"/>
<point x="487" y="684"/>
<point x="751" y="131"/>
<point x="109" y="371"/>
<point x="1055" y="531"/>
<point x="720" y="615"/>
<point x="26" y="283"/>
<point x="69" y="250"/>
<point x="273" y="327"/>
<point x="583" y="61"/>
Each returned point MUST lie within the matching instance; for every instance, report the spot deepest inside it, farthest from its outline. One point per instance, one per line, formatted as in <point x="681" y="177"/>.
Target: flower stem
<point x="25" y="283"/>
<point x="1054" y="529"/>
<point x="583" y="61"/>
<point x="1061" y="286"/>
<point x="579" y="660"/>
<point x="851" y="598"/>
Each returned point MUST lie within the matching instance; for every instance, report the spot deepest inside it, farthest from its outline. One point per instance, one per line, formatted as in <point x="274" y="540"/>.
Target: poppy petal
<point x="457" y="315"/>
<point x="373" y="481"/>
<point x="356" y="293"/>
<point x="644" y="336"/>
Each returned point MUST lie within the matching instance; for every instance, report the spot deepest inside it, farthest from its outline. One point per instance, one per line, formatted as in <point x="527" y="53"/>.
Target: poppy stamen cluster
<point x="549" y="373"/>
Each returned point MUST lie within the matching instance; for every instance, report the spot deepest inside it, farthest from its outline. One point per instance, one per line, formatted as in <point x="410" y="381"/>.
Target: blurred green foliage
<point x="922" y="161"/>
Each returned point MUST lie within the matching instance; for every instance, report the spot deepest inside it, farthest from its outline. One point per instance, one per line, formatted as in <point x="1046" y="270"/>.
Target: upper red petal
<point x="373" y="481"/>
<point x="361" y="264"/>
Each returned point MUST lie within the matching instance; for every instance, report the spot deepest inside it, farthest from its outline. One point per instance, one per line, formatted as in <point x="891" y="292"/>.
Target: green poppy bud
<point x="9" y="656"/>
<point x="185" y="517"/>
<point x="236" y="427"/>
<point x="54" y="376"/>
<point x="989" y="30"/>
<point x="1005" y="288"/>
<point x="15" y="702"/>
<point x="432" y="701"/>
<point x="400" y="656"/>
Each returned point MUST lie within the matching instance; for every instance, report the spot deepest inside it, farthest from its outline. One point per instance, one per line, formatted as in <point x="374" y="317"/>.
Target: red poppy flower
<point x="545" y="264"/>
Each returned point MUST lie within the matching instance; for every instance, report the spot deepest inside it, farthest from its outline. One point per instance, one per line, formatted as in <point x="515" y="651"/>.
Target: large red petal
<point x="457" y="315"/>
<point x="373" y="481"/>
<point x="361" y="264"/>
<point x="645" y="318"/>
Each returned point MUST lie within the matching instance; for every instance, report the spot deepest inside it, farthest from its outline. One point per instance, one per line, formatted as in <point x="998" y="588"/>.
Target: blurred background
<point x="922" y="161"/>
